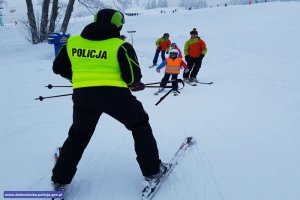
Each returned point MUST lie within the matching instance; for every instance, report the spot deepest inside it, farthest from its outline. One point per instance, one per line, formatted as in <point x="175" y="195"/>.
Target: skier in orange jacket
<point x="194" y="51"/>
<point x="173" y="65"/>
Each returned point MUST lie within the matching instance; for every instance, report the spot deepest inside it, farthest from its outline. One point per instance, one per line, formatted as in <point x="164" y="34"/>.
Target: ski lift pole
<point x="131" y="32"/>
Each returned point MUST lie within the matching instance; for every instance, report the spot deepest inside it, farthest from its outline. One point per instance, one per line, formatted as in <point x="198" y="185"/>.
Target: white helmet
<point x="174" y="51"/>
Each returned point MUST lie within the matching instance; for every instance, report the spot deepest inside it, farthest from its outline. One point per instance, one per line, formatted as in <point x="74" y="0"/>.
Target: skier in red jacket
<point x="162" y="45"/>
<point x="194" y="51"/>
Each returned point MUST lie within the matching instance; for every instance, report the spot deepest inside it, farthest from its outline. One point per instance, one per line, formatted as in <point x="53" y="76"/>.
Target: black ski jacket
<point x="96" y="31"/>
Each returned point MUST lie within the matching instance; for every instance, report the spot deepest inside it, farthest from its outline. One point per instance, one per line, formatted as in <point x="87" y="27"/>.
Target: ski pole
<point x="159" y="82"/>
<point x="42" y="98"/>
<point x="156" y="86"/>
<point x="152" y="83"/>
<point x="163" y="97"/>
<point x="208" y="83"/>
<point x="52" y="86"/>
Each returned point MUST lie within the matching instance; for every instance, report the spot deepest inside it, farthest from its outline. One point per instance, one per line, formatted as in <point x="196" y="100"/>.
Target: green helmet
<point x="110" y="16"/>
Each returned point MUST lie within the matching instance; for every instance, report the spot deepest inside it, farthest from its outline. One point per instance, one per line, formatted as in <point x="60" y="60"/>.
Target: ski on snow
<point x="176" y="93"/>
<point x="207" y="83"/>
<point x="192" y="84"/>
<point x="158" y="92"/>
<point x="152" y="187"/>
<point x="199" y="82"/>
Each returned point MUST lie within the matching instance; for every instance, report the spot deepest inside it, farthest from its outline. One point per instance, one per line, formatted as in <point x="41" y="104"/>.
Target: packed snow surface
<point x="246" y="124"/>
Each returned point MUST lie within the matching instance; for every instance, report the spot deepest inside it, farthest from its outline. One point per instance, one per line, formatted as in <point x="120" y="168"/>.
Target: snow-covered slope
<point x="246" y="123"/>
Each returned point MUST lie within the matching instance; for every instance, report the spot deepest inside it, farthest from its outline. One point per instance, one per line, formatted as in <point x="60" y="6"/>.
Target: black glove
<point x="158" y="48"/>
<point x="202" y="56"/>
<point x="186" y="58"/>
<point x="137" y="87"/>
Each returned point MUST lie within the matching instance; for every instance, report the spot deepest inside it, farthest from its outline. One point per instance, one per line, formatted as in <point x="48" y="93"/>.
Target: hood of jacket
<point x="96" y="31"/>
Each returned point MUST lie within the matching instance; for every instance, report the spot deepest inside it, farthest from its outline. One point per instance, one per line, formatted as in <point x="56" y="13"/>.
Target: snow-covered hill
<point x="246" y="123"/>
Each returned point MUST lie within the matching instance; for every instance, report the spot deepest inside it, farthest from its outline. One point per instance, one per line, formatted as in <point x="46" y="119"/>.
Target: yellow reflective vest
<point x="95" y="63"/>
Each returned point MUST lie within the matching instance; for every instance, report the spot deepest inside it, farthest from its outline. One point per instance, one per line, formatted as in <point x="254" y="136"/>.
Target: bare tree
<point x="243" y="2"/>
<point x="44" y="20"/>
<point x="193" y="4"/>
<point x="137" y="2"/>
<point x="25" y="29"/>
<point x="54" y="14"/>
<point x="93" y="5"/>
<point x="32" y="22"/>
<point x="2" y="2"/>
<point x="67" y="17"/>
<point x="162" y="4"/>
<point x="39" y="33"/>
<point x="124" y="4"/>
<point x="151" y="4"/>
<point x="1" y="7"/>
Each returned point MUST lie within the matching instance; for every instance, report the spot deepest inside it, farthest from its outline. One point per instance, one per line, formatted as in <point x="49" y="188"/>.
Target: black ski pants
<point x="194" y="65"/>
<point x="165" y="79"/>
<point x="119" y="103"/>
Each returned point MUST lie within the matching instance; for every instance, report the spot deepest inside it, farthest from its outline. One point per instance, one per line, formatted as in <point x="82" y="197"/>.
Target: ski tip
<point x="191" y="84"/>
<point x="208" y="83"/>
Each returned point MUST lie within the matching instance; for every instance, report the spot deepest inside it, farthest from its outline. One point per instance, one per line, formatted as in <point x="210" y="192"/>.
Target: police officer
<point x="102" y="68"/>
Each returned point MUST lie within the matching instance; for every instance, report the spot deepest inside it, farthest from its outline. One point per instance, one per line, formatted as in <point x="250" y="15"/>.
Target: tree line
<point x="39" y="31"/>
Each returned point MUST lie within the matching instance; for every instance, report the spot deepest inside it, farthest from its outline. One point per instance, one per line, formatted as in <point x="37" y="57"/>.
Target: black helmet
<point x="166" y="35"/>
<point x="194" y="31"/>
<point x="110" y="16"/>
